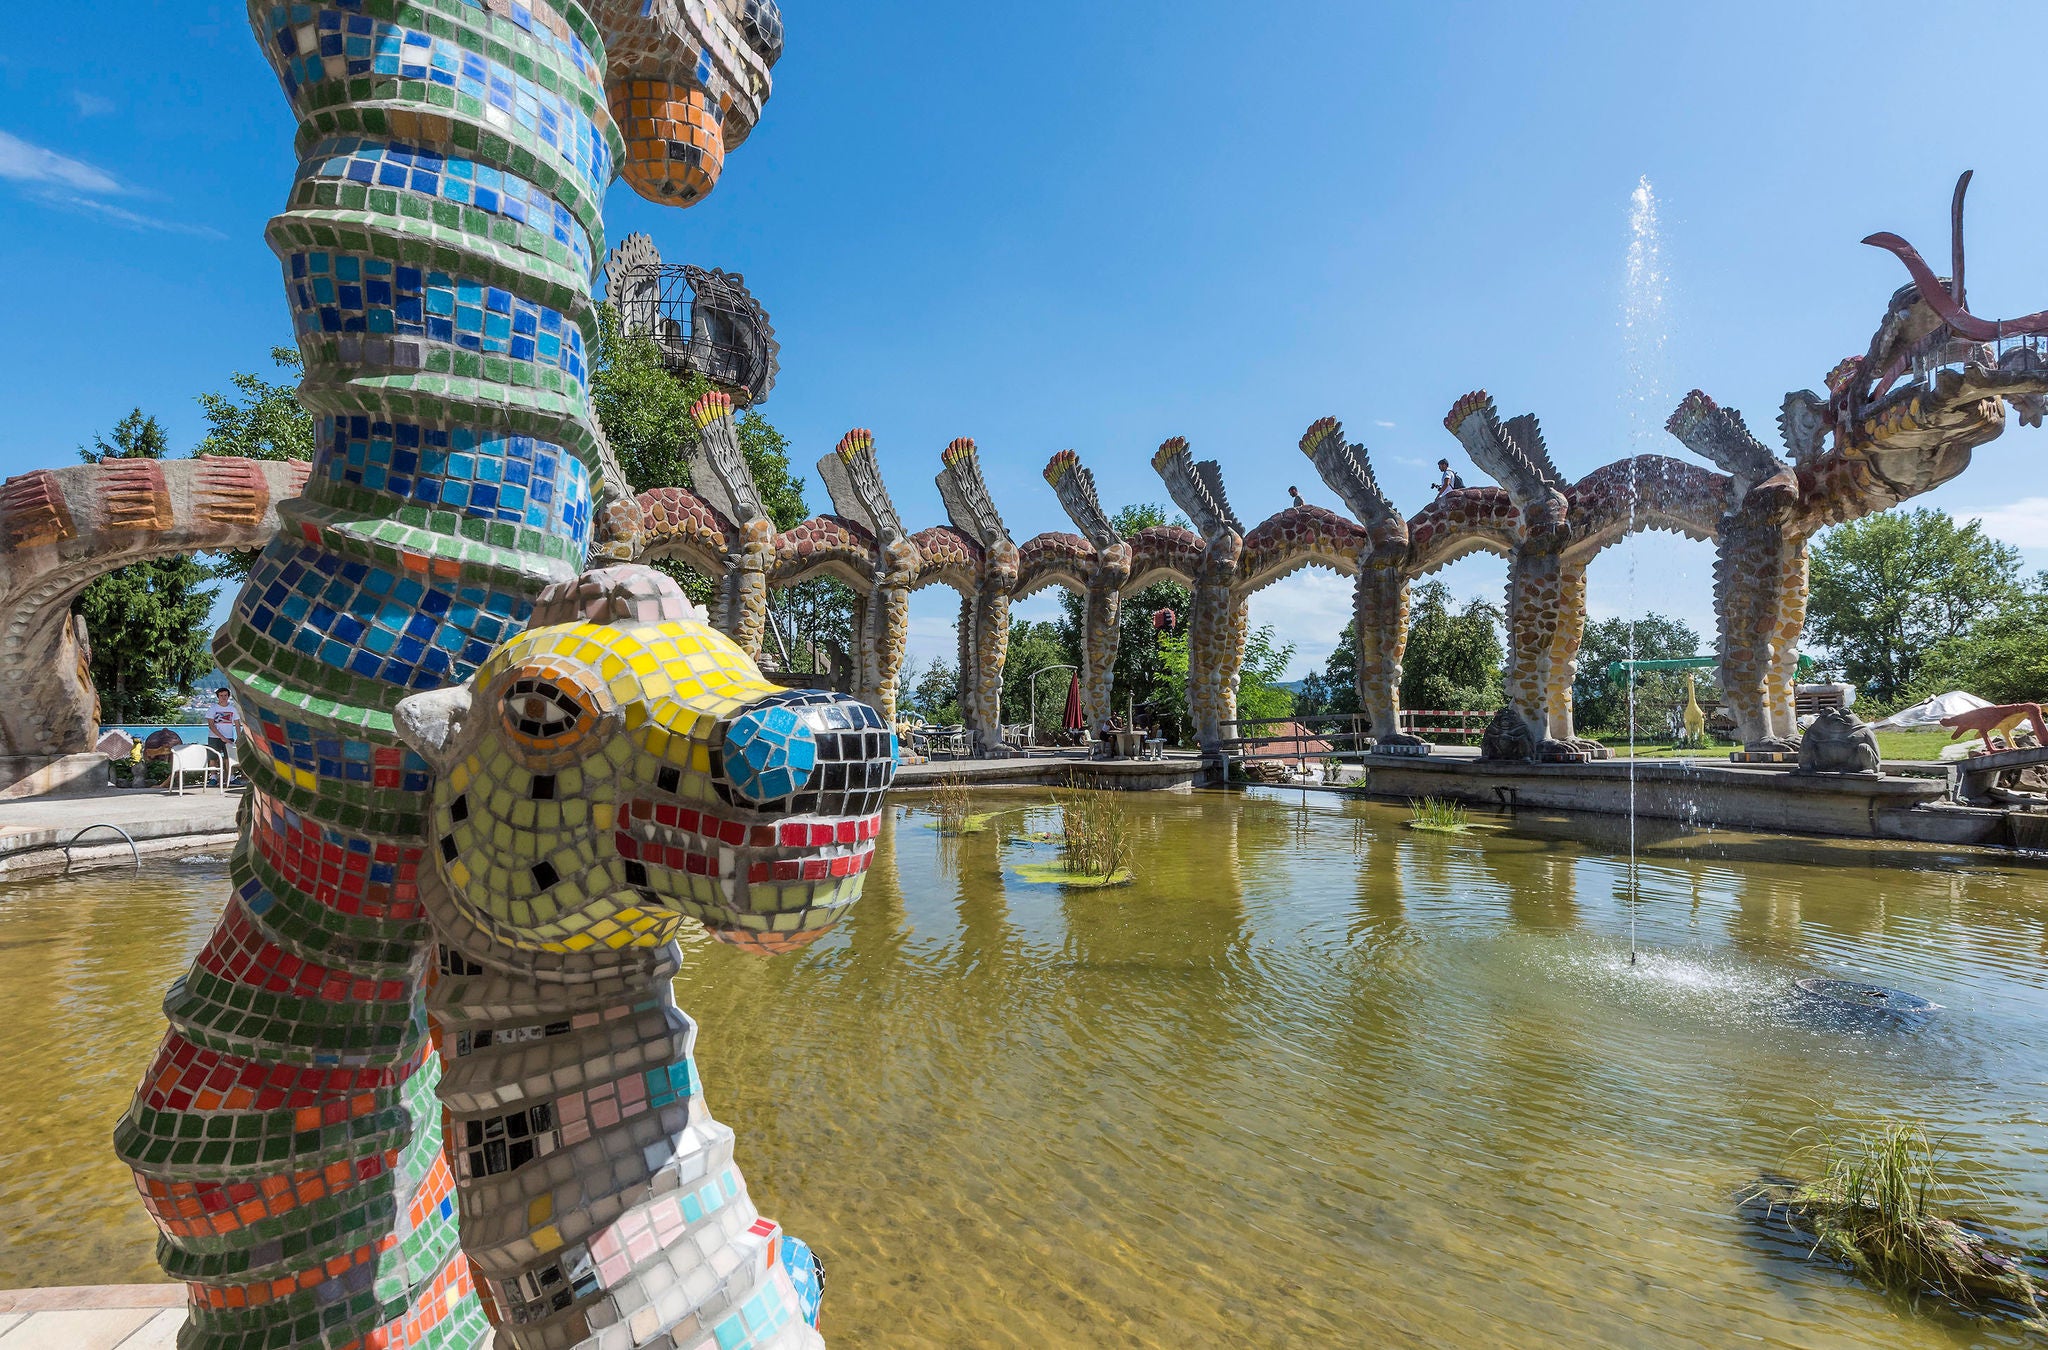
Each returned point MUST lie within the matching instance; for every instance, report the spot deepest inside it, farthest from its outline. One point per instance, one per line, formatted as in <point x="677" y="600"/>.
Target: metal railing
<point x="1311" y="736"/>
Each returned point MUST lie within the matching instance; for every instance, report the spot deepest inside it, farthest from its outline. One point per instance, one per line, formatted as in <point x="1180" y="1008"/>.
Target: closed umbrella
<point x="1070" y="717"/>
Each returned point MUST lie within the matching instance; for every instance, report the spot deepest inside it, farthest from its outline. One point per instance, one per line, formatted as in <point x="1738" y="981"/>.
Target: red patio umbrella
<point x="1070" y="717"/>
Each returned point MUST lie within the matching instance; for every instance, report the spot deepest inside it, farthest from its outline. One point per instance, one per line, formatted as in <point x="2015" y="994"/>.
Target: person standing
<point x="223" y="725"/>
<point x="1450" y="482"/>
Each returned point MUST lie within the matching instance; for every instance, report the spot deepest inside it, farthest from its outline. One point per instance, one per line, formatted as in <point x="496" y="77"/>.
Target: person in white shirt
<point x="223" y="724"/>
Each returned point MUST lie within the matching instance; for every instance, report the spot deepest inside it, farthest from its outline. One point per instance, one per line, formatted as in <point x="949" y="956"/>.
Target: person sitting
<point x="1450" y="482"/>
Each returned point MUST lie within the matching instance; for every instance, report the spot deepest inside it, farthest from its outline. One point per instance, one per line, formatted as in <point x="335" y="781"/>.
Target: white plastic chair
<point x="199" y="759"/>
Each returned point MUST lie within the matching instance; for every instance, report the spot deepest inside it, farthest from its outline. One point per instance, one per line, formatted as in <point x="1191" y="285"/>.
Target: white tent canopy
<point x="1929" y="712"/>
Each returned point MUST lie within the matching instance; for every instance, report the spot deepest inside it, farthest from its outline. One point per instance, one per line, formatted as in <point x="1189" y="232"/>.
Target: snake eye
<point x="540" y="709"/>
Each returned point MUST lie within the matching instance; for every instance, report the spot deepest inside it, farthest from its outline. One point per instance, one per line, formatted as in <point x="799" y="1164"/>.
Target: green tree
<point x="644" y="408"/>
<point x="1334" y="688"/>
<point x="1138" y="678"/>
<point x="1600" y="701"/>
<point x="147" y="621"/>
<point x="2003" y="656"/>
<point x="1886" y="589"/>
<point x="265" y="422"/>
<point x="1453" y="659"/>
<point x="1037" y="644"/>
<point x="1259" y="694"/>
<point x="934" y="691"/>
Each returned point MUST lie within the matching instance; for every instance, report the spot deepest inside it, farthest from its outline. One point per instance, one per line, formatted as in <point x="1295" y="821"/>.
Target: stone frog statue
<point x="1839" y="742"/>
<point x="618" y="767"/>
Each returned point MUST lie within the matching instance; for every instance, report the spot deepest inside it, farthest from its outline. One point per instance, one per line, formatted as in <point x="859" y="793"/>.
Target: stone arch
<point x="825" y="545"/>
<point x="62" y="528"/>
<point x="1299" y="537"/>
<point x="1054" y="558"/>
<point x="677" y="523"/>
<point x="1460" y="522"/>
<point x="1164" y="553"/>
<point x="1665" y="493"/>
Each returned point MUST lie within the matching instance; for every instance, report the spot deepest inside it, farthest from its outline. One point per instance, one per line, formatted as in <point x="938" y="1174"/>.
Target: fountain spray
<point x="1643" y="329"/>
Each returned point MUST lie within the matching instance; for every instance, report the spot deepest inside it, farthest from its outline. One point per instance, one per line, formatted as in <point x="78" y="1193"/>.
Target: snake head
<point x="686" y="81"/>
<point x="622" y="765"/>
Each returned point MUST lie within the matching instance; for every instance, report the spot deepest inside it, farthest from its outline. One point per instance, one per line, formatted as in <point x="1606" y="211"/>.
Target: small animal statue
<point x="1694" y="719"/>
<point x="1999" y="719"/>
<point x="1839" y="742"/>
<point x="1507" y="737"/>
<point x="618" y="767"/>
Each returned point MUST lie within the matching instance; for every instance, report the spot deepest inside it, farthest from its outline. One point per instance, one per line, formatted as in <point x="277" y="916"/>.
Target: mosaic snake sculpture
<point x="521" y="831"/>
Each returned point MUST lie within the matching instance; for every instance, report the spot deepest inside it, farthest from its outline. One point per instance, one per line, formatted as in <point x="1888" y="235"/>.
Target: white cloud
<point x="1308" y="609"/>
<point x="74" y="185"/>
<point x="1382" y="424"/>
<point x="22" y="162"/>
<point x="91" y="105"/>
<point x="2023" y="523"/>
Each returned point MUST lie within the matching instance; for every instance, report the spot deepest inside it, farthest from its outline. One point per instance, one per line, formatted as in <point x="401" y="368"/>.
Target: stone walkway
<point x="158" y="821"/>
<point x="92" y="1317"/>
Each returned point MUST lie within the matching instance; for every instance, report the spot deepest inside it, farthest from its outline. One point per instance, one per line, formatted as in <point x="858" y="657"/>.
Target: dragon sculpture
<point x="451" y="812"/>
<point x="985" y="601"/>
<point x="1898" y="421"/>
<point x="1380" y="595"/>
<point x="1218" y="622"/>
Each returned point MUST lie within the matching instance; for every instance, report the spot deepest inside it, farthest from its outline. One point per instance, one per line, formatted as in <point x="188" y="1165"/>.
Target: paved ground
<point x="92" y="1317"/>
<point x="156" y="819"/>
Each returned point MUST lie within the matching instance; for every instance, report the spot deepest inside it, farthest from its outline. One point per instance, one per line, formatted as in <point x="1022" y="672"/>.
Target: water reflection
<point x="1313" y="1078"/>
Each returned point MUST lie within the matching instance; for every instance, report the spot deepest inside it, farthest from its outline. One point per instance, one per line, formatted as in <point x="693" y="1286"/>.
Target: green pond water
<point x="1314" y="1078"/>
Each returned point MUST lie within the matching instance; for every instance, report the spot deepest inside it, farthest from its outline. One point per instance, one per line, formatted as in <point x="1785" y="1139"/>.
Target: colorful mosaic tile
<point x="288" y="1136"/>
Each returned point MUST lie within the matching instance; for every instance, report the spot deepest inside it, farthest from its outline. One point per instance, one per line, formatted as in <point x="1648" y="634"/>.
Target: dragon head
<point x="621" y="765"/>
<point x="686" y="81"/>
<point x="1936" y="380"/>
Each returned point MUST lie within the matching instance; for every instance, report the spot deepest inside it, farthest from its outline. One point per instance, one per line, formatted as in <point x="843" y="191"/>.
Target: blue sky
<point x="1057" y="225"/>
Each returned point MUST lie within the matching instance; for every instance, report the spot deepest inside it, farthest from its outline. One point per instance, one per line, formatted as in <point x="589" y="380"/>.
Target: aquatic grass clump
<point x="1438" y="816"/>
<point x="950" y="802"/>
<point x="1878" y="1207"/>
<point x="1099" y="831"/>
<point x="1097" y="836"/>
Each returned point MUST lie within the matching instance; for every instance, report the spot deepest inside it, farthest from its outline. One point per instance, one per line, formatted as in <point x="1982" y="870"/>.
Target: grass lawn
<point x="1891" y="744"/>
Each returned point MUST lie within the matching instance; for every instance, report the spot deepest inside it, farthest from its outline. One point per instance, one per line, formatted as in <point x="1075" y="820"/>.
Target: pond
<point x="1314" y="1077"/>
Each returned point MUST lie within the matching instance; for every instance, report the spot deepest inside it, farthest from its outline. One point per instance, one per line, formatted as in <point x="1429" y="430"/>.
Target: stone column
<point x="1379" y="612"/>
<point x="1563" y="666"/>
<point x="743" y="590"/>
<point x="1101" y="634"/>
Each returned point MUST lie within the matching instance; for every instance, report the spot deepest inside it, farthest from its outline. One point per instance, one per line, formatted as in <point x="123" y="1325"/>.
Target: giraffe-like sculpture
<point x="724" y="480"/>
<point x="985" y="613"/>
<point x="882" y="614"/>
<point x="1513" y="454"/>
<point x="1380" y="591"/>
<point x="519" y="821"/>
<point x="1108" y="572"/>
<point x="1218" y="621"/>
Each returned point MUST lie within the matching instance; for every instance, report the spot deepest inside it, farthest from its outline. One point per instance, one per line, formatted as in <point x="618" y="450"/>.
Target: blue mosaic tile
<point x="321" y="43"/>
<point x="430" y="173"/>
<point x="518" y="479"/>
<point x="348" y="293"/>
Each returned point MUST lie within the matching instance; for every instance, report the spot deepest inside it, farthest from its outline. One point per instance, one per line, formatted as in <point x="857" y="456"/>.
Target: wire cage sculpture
<point x="704" y="322"/>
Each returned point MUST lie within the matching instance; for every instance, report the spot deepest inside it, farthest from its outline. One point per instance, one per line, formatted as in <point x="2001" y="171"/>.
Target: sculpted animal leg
<point x="991" y="654"/>
<point x="1747" y="581"/>
<point x="1379" y="610"/>
<point x="1100" y="636"/>
<point x="1790" y="622"/>
<point x="1533" y="589"/>
<point x="1567" y="638"/>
